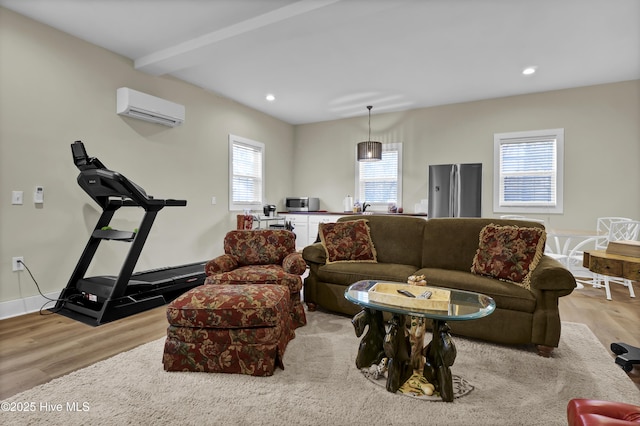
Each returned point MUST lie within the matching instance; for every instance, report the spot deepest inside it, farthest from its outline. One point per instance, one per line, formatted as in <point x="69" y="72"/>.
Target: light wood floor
<point x="35" y="349"/>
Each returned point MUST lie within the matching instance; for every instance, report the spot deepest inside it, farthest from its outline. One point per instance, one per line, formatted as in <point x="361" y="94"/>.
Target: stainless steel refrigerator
<point x="455" y="190"/>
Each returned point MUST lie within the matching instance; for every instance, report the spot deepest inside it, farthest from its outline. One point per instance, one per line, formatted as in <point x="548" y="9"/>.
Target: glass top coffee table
<point x="403" y="347"/>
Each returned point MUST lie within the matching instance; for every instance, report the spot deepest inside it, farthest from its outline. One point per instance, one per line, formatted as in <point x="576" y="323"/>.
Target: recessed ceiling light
<point x="529" y="70"/>
<point x="270" y="97"/>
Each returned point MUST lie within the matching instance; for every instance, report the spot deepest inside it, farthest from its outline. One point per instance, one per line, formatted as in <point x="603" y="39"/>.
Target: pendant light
<point x="369" y="150"/>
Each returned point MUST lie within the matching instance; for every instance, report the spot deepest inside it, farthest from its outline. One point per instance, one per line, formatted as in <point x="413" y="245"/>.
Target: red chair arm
<point x="293" y="263"/>
<point x="223" y="263"/>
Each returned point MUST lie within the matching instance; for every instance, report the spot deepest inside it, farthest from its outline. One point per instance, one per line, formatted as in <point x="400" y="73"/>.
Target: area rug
<point x="321" y="386"/>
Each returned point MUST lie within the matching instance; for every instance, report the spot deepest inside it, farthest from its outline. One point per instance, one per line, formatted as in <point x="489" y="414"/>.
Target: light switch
<point x="213" y="200"/>
<point x="17" y="197"/>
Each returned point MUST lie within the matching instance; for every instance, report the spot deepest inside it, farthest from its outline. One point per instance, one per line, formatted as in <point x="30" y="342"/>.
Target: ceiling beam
<point x="191" y="52"/>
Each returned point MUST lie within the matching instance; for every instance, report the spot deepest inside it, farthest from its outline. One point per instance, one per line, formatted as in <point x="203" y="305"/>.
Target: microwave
<point x="302" y="204"/>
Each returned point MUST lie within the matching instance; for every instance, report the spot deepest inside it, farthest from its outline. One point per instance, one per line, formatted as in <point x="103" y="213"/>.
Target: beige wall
<point x="56" y="89"/>
<point x="602" y="148"/>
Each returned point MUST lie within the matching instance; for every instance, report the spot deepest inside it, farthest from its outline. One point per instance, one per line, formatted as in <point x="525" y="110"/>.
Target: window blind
<point x="246" y="188"/>
<point x="378" y="180"/>
<point x="528" y="172"/>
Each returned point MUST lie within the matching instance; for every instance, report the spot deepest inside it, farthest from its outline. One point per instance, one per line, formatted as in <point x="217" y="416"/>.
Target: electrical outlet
<point x="17" y="266"/>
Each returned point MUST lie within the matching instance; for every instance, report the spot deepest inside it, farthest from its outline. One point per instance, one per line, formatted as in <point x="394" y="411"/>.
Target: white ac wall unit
<point x="132" y="103"/>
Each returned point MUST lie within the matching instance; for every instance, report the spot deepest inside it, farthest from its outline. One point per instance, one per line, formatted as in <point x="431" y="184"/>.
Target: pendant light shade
<point x="369" y="150"/>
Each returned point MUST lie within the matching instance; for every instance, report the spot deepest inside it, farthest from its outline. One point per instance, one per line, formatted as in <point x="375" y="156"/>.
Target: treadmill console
<point x="82" y="160"/>
<point x="103" y="184"/>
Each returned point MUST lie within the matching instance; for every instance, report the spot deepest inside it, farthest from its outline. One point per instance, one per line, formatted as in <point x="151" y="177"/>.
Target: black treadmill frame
<point x="112" y="191"/>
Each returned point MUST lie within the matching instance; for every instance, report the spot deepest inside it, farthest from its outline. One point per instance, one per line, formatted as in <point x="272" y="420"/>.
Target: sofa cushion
<point x="348" y="273"/>
<point x="397" y="238"/>
<point x="506" y="295"/>
<point x="509" y="253"/>
<point x="347" y="241"/>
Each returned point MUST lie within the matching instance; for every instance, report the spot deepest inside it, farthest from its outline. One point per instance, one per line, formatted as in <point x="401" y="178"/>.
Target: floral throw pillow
<point x="509" y="253"/>
<point x="348" y="241"/>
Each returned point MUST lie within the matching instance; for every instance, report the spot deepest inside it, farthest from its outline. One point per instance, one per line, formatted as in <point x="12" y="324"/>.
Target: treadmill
<point x="98" y="300"/>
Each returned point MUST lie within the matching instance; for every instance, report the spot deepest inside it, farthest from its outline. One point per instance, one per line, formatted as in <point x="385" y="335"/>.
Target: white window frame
<point x="500" y="139"/>
<point x="259" y="146"/>
<point x="381" y="206"/>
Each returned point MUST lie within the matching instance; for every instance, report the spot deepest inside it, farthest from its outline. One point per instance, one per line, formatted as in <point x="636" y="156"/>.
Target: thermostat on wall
<point x="38" y="195"/>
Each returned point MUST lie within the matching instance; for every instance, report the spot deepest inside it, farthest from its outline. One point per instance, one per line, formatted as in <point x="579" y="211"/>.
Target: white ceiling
<point x="329" y="59"/>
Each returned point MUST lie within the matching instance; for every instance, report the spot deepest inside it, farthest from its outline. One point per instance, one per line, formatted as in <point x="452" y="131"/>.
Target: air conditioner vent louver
<point x="155" y="118"/>
<point x="132" y="103"/>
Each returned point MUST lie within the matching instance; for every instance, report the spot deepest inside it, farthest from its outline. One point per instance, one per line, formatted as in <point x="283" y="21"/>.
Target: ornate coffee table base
<point x="387" y="348"/>
<point x="440" y="354"/>
<point x="394" y="343"/>
<point x="370" y="350"/>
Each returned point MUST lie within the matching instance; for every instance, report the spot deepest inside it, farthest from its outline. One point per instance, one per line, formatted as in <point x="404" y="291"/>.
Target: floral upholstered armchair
<point x="261" y="256"/>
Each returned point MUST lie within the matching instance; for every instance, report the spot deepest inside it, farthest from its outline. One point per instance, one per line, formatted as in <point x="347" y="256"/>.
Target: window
<point x="380" y="182"/>
<point x="246" y="173"/>
<point x="528" y="172"/>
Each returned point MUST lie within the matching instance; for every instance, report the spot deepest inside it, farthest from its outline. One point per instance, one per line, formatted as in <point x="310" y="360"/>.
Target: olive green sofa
<point x="443" y="250"/>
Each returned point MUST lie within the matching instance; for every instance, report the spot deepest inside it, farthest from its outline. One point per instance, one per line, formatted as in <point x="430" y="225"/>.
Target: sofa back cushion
<point x="260" y="246"/>
<point x="451" y="243"/>
<point x="397" y="239"/>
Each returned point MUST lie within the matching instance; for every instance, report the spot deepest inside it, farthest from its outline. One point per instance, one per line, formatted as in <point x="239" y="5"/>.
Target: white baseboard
<point x="27" y="305"/>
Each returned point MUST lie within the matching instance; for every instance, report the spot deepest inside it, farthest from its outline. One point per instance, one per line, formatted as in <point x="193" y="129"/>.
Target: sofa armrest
<point x="223" y="263"/>
<point x="293" y="263"/>
<point x="315" y="253"/>
<point x="550" y="275"/>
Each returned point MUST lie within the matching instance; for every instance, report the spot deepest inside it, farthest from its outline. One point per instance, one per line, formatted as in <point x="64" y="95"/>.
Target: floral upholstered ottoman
<point x="228" y="329"/>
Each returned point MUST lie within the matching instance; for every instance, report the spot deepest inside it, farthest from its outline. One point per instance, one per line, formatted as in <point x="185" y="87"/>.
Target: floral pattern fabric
<point x="266" y="274"/>
<point x="348" y="241"/>
<point x="229" y="307"/>
<point x="509" y="253"/>
<point x="257" y="274"/>
<point x="223" y="263"/>
<point x="294" y="264"/>
<point x="228" y="329"/>
<point x="264" y="256"/>
<point x="259" y="247"/>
